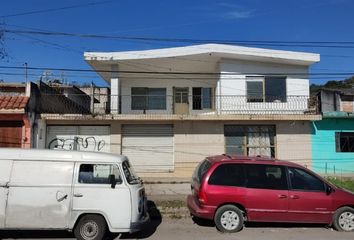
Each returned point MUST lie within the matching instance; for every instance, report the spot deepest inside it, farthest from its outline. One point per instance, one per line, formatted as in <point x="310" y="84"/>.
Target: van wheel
<point x="91" y="227"/>
<point x="229" y="219"/>
<point x="343" y="219"/>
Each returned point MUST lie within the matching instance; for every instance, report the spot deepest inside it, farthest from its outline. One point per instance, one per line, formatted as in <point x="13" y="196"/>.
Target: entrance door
<point x="5" y="170"/>
<point x="10" y="134"/>
<point x="39" y="195"/>
<point x="181" y="103"/>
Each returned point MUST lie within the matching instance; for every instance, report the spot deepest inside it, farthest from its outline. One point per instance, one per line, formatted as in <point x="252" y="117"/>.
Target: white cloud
<point x="238" y="14"/>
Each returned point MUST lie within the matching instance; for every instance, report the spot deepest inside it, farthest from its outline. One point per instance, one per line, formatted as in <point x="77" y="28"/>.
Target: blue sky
<point x="277" y="20"/>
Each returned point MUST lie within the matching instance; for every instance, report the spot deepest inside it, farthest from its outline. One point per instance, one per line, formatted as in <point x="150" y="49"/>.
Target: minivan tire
<point x="91" y="227"/>
<point x="343" y="219"/>
<point x="229" y="219"/>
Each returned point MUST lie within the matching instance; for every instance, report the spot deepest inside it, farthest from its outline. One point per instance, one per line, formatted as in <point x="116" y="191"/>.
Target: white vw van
<point x="86" y="192"/>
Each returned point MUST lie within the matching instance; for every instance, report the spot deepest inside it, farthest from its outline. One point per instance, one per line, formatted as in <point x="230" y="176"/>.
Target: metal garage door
<point x="83" y="138"/>
<point x="10" y="134"/>
<point x="149" y="147"/>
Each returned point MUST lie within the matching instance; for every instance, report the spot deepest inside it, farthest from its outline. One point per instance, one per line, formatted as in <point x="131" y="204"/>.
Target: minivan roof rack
<point x="226" y="155"/>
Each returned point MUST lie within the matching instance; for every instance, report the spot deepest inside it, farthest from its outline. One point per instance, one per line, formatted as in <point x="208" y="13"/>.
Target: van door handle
<point x="78" y="195"/>
<point x="61" y="196"/>
<point x="294" y="197"/>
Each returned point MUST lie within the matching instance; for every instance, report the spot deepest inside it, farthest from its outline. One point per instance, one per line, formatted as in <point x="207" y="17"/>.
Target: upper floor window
<point x="266" y="89"/>
<point x="148" y="98"/>
<point x="202" y="98"/>
<point x="344" y="141"/>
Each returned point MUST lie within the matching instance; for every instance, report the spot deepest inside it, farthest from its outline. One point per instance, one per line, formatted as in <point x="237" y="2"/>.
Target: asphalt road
<point x="173" y="229"/>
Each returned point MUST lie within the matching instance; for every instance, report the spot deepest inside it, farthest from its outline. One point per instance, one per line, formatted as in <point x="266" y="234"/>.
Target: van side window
<point x="266" y="177"/>
<point x="228" y="175"/>
<point x="97" y="173"/>
<point x="301" y="180"/>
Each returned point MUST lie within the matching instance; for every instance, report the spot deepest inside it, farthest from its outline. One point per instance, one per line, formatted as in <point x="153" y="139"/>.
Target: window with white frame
<point x="148" y="98"/>
<point x="202" y="98"/>
<point x="266" y="89"/>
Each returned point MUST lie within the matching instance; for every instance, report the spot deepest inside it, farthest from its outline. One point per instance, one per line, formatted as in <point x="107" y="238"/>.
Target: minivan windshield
<point x="129" y="173"/>
<point x="200" y="170"/>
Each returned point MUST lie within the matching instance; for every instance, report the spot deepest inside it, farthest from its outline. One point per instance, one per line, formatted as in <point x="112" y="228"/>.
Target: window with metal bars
<point x="344" y="141"/>
<point x="250" y="140"/>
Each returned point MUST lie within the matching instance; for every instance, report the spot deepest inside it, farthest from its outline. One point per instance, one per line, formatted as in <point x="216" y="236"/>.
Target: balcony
<point x="177" y="107"/>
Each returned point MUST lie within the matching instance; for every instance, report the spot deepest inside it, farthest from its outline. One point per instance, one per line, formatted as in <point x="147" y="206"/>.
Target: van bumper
<point x="206" y="212"/>
<point x="141" y="224"/>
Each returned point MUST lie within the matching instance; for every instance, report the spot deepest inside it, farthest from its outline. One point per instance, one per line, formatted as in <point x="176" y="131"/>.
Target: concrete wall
<point x="194" y="140"/>
<point x="324" y="153"/>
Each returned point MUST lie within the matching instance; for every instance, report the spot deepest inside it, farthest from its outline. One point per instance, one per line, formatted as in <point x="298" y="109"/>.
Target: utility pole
<point x="26" y="71"/>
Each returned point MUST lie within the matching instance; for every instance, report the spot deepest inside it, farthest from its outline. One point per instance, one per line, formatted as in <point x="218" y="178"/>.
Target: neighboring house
<point x="17" y="114"/>
<point x="169" y="108"/>
<point x="333" y="136"/>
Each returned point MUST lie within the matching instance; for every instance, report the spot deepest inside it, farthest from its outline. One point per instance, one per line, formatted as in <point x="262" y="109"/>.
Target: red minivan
<point x="232" y="189"/>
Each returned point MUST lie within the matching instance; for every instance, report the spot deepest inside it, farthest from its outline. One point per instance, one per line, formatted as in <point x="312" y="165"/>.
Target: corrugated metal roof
<point x="13" y="102"/>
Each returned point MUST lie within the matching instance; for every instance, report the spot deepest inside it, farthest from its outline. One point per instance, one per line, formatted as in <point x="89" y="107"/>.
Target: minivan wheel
<point x="228" y="219"/>
<point x="91" y="227"/>
<point x="343" y="219"/>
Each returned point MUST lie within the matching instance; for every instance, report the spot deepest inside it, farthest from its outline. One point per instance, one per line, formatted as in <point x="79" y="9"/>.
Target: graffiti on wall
<point x="77" y="143"/>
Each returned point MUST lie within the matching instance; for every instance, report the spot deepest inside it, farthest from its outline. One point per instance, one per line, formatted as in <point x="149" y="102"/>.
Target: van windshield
<point x="130" y="174"/>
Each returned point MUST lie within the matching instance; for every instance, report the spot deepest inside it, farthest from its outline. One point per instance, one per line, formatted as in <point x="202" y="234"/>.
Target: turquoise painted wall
<point x="324" y="146"/>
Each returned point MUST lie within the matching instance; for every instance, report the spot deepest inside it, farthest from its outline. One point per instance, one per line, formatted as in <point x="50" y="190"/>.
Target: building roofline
<point x="219" y="50"/>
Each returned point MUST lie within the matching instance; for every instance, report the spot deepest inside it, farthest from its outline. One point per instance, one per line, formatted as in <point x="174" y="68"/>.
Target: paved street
<point x="185" y="229"/>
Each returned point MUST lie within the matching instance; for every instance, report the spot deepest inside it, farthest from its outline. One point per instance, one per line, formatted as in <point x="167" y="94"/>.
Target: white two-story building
<point x="171" y="107"/>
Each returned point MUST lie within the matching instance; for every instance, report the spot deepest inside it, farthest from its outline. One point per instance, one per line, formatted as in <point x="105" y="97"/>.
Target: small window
<point x="228" y="175"/>
<point x="266" y="177"/>
<point x="344" y="141"/>
<point x="302" y="180"/>
<point x="98" y="173"/>
<point x="202" y="98"/>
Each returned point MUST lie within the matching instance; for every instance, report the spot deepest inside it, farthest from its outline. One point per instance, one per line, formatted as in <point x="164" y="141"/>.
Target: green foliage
<point x="347" y="184"/>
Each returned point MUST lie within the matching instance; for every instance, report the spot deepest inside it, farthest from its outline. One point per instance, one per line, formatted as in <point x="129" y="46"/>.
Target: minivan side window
<point x="266" y="177"/>
<point x="98" y="173"/>
<point x="302" y="180"/>
<point x="228" y="175"/>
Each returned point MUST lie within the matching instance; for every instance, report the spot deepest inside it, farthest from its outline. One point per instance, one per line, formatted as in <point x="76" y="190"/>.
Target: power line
<point x="55" y="9"/>
<point x="318" y="44"/>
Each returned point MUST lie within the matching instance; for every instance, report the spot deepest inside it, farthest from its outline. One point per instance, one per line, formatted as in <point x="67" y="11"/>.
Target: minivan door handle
<point x="61" y="196"/>
<point x="282" y="196"/>
<point x="78" y="195"/>
<point x="294" y="197"/>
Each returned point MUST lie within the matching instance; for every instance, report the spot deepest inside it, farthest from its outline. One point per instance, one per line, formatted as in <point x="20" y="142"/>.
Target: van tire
<point x="341" y="218"/>
<point x="229" y="219"/>
<point x="91" y="227"/>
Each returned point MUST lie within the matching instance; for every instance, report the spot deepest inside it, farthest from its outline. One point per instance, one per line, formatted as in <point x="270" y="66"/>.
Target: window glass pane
<point x="266" y="177"/>
<point x="97" y="173"/>
<point x="201" y="169"/>
<point x="207" y="98"/>
<point x="301" y="180"/>
<point x="254" y="91"/>
<point x="228" y="175"/>
<point x="139" y="98"/>
<point x="275" y="89"/>
<point x="197" y="98"/>
<point x="157" y="98"/>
